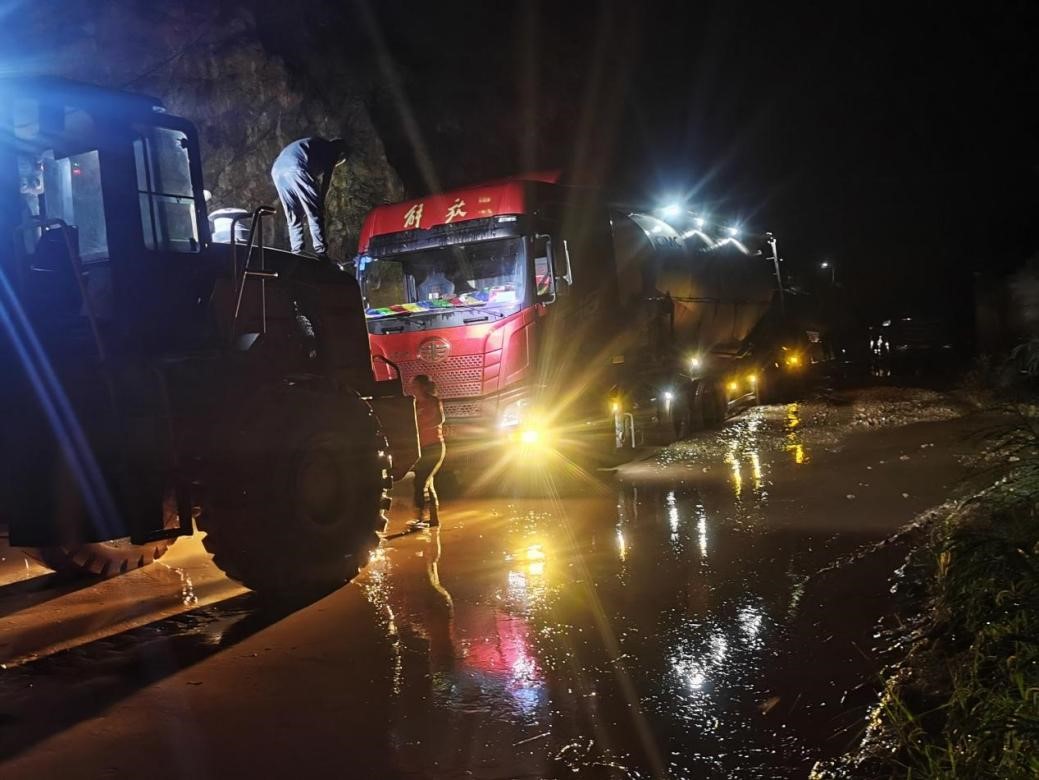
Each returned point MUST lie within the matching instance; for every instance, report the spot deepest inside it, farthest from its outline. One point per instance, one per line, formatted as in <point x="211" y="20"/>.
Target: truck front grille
<point x="457" y="409"/>
<point x="456" y="377"/>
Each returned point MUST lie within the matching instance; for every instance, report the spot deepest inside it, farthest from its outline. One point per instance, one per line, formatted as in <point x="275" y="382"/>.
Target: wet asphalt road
<point x="668" y="623"/>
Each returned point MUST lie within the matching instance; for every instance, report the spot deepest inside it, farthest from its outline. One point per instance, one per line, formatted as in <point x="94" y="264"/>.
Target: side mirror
<point x="552" y="272"/>
<point x="566" y="273"/>
<point x="544" y="275"/>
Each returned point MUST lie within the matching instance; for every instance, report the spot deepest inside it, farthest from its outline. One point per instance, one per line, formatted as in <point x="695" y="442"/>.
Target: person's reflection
<point x="424" y="616"/>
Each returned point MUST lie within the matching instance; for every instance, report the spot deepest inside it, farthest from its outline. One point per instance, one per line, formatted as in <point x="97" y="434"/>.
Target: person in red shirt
<point x="430" y="412"/>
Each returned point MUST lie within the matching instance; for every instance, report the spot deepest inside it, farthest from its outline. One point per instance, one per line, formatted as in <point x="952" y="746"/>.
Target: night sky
<point x="897" y="140"/>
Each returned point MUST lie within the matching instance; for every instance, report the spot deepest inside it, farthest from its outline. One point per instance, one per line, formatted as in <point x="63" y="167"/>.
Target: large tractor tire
<point x="106" y="559"/>
<point x="297" y="499"/>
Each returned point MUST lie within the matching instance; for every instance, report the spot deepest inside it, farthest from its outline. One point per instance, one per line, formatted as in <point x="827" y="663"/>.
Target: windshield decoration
<point x="501" y="294"/>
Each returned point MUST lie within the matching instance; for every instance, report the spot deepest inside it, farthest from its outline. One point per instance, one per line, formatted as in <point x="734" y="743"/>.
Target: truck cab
<point x="493" y="291"/>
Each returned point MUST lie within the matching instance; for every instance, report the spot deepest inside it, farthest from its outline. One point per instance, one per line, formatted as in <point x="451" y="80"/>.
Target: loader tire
<point x="298" y="498"/>
<point x="106" y="559"/>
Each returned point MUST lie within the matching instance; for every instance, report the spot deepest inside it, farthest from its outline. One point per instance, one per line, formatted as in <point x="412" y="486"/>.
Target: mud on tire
<point x="298" y="493"/>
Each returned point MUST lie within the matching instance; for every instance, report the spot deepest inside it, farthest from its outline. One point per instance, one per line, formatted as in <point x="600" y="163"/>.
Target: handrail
<point x="390" y="363"/>
<point x="77" y="270"/>
<point x="255" y="241"/>
<point x="234" y="248"/>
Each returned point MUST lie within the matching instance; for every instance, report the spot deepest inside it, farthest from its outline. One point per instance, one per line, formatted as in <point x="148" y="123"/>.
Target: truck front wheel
<point x="296" y="505"/>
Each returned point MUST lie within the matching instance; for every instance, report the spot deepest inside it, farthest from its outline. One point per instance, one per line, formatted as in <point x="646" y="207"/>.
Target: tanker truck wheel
<point x="106" y="559"/>
<point x="299" y="497"/>
<point x="710" y="404"/>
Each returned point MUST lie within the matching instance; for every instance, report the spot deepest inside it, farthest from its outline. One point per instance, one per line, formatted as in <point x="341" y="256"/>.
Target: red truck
<point x="465" y="286"/>
<point x="535" y="306"/>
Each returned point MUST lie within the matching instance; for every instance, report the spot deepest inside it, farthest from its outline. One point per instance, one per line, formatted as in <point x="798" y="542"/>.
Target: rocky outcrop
<point x="208" y="63"/>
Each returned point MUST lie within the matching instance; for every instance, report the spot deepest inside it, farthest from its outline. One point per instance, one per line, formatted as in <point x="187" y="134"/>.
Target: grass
<point x="966" y="702"/>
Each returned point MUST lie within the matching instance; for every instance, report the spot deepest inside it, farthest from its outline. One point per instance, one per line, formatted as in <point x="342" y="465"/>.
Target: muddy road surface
<point x="681" y="619"/>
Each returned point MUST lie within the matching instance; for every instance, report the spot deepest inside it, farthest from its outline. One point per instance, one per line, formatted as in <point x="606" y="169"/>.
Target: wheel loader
<point x="156" y="383"/>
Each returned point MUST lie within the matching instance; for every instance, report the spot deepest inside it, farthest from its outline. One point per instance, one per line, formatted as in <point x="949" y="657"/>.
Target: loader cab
<point x="97" y="181"/>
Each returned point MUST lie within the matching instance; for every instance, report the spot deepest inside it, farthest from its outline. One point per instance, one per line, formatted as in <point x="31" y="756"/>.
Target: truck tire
<point x="106" y="559"/>
<point x="710" y="398"/>
<point x="299" y="497"/>
<point x="682" y="410"/>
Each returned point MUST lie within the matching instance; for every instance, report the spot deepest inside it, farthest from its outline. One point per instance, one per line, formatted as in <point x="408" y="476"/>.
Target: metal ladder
<point x="254" y="246"/>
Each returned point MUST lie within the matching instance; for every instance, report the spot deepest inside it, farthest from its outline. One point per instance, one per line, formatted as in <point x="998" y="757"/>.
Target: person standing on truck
<point x="302" y="174"/>
<point x="430" y="412"/>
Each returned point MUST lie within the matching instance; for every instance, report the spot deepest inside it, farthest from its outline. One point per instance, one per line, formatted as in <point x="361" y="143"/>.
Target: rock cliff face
<point x="208" y="63"/>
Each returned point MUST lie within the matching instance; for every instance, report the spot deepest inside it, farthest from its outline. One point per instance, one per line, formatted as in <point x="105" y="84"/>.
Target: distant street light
<point x="827" y="265"/>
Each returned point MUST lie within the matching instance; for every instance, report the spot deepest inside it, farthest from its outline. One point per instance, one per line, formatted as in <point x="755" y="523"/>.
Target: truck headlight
<point x="530" y="436"/>
<point x="514" y="413"/>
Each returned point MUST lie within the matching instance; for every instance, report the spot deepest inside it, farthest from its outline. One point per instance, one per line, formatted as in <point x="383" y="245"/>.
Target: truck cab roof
<point x="502" y="197"/>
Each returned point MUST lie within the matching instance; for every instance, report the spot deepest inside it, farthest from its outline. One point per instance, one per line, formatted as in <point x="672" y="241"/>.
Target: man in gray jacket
<point x="302" y="174"/>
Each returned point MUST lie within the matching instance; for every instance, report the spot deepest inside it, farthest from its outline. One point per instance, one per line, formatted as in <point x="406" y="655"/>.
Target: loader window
<point x="59" y="175"/>
<point x="72" y="191"/>
<point x="164" y="190"/>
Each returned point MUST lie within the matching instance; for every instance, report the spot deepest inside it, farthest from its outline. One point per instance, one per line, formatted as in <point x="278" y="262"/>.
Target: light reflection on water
<point x="746" y="439"/>
<point x="793" y="443"/>
<point x="701" y="529"/>
<point x="565" y="608"/>
<point x="672" y="514"/>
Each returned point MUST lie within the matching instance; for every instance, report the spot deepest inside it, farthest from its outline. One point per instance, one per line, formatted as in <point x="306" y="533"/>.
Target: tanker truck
<point x="552" y="320"/>
<point x="156" y="382"/>
<point x="711" y="331"/>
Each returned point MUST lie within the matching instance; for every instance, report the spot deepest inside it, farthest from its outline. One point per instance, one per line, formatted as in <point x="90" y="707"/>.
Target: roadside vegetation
<point x="962" y="702"/>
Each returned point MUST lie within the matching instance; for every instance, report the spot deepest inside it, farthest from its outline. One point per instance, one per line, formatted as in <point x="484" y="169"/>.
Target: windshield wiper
<point x="482" y="309"/>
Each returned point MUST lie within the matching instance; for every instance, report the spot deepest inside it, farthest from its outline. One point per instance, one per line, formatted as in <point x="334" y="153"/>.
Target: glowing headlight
<point x="530" y="436"/>
<point x="695" y="363"/>
<point x="669" y="396"/>
<point x="514" y="413"/>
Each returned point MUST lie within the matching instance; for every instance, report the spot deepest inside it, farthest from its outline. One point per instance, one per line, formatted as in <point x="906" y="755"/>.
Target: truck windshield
<point x="489" y="275"/>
